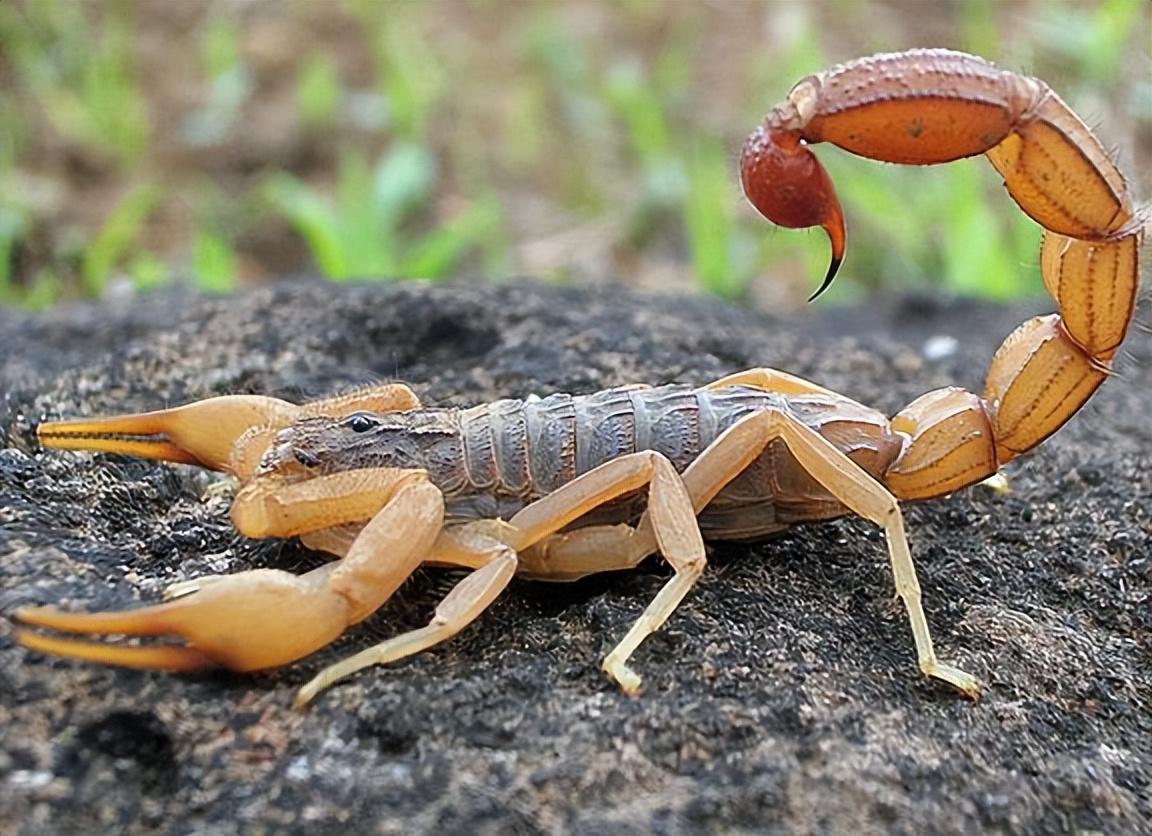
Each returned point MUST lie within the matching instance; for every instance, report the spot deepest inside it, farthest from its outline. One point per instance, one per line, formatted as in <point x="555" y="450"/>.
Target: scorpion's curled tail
<point x="934" y="106"/>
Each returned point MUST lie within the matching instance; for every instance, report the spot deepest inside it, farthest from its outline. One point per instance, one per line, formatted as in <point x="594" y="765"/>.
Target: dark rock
<point x="783" y="695"/>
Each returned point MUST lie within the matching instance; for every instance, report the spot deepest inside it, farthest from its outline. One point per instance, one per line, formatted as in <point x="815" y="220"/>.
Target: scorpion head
<point x="322" y="445"/>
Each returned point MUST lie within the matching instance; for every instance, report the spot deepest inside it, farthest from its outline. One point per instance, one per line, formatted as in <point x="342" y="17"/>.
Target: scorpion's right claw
<point x="202" y="433"/>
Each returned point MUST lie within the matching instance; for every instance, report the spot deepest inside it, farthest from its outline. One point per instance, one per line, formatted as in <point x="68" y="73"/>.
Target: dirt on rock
<point x="782" y="696"/>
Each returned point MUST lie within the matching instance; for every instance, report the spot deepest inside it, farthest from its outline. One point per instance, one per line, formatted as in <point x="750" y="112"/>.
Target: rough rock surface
<point x="783" y="695"/>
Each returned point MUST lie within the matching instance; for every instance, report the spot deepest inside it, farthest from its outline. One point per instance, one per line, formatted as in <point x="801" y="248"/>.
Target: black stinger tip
<point x="832" y="268"/>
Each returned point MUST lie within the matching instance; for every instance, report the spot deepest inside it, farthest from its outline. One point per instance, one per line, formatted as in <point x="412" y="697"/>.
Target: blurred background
<point x="226" y="143"/>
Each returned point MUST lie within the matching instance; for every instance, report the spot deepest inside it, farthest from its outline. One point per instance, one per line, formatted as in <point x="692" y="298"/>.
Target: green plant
<point x="82" y="72"/>
<point x="641" y="107"/>
<point x="11" y="231"/>
<point x="1086" y="36"/>
<point x="114" y="240"/>
<point x="229" y="84"/>
<point x="362" y="233"/>
<point x="213" y="262"/>
<point x="621" y="119"/>
<point x="722" y="253"/>
<point x="318" y="91"/>
<point x="409" y="72"/>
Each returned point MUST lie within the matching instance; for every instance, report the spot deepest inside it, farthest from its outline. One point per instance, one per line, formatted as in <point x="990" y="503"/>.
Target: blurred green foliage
<point x="360" y="232"/>
<point x="366" y="139"/>
<point x="112" y="242"/>
<point x="83" y="77"/>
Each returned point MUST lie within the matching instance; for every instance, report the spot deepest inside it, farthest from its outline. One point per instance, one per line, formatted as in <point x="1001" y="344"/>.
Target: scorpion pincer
<point x="566" y="486"/>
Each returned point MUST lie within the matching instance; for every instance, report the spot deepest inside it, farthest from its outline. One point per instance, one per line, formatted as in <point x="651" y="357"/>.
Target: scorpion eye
<point x="361" y="422"/>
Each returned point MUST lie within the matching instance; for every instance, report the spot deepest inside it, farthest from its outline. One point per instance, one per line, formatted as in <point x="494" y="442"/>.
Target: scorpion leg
<point x="571" y="555"/>
<point x="574" y="554"/>
<point x="598" y="548"/>
<point x="264" y="618"/>
<point x="470" y="545"/>
<point x="771" y="380"/>
<point x="335" y="540"/>
<point x="736" y="448"/>
<point x="673" y="526"/>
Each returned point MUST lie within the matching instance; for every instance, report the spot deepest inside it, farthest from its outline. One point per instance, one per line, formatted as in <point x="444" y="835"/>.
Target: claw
<point x="171" y="658"/>
<point x="201" y="433"/>
<point x="254" y="620"/>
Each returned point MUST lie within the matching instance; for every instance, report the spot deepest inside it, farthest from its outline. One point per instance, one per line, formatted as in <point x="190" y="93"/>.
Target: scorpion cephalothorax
<point x="569" y="485"/>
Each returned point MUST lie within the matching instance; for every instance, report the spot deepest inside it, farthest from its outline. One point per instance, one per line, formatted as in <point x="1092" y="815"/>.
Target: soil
<point x="782" y="696"/>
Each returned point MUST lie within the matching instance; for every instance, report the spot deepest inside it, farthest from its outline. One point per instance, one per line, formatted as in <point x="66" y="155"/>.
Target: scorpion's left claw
<point x="254" y="620"/>
<point x="172" y="658"/>
<point x="201" y="433"/>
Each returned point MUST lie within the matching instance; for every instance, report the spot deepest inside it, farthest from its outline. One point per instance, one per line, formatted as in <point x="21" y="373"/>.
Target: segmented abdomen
<point x="515" y="451"/>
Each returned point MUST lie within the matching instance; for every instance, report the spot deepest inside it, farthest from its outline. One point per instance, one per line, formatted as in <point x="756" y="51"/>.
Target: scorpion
<point x="569" y="485"/>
